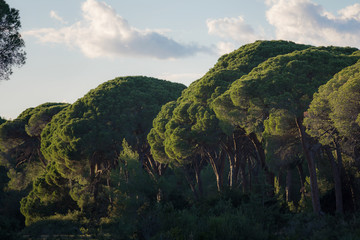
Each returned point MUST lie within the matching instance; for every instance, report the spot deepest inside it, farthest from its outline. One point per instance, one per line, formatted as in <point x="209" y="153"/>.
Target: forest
<point x="266" y="145"/>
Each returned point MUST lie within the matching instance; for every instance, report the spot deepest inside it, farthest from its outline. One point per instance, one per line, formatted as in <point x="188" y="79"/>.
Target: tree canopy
<point x="193" y="130"/>
<point x="12" y="51"/>
<point x="20" y="143"/>
<point x="333" y="114"/>
<point x="284" y="83"/>
<point x="87" y="137"/>
<point x="235" y="145"/>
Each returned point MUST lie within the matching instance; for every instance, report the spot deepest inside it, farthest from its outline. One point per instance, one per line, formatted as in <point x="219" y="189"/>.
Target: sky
<point x="74" y="45"/>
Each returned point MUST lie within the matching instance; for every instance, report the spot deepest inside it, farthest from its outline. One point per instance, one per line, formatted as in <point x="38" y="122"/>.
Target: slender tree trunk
<point x="339" y="157"/>
<point x="190" y="182"/>
<point x="250" y="173"/>
<point x="289" y="174"/>
<point x="337" y="181"/>
<point x="197" y="169"/>
<point x="244" y="179"/>
<point x="315" y="195"/>
<point x="42" y="158"/>
<point x="352" y="190"/>
<point x="221" y="170"/>
<point x="231" y="171"/>
<point x="154" y="169"/>
<point x="217" y="162"/>
<point x="302" y="179"/>
<point x="340" y="164"/>
<point x="109" y="186"/>
<point x="234" y="154"/>
<point x="270" y="177"/>
<point x="230" y="151"/>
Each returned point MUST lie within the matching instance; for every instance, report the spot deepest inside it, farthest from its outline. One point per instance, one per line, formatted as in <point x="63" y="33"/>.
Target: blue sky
<point x="74" y="45"/>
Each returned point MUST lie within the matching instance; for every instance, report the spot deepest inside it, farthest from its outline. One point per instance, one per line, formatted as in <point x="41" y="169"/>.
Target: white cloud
<point x="225" y="47"/>
<point x="185" y="78"/>
<point x="306" y="22"/>
<point x="104" y="33"/>
<point x="232" y="28"/>
<point x="55" y="16"/>
<point x="351" y="12"/>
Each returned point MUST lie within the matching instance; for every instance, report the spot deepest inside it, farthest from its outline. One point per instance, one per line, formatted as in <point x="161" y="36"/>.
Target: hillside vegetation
<point x="266" y="145"/>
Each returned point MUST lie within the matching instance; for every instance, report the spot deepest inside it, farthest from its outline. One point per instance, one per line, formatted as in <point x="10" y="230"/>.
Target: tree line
<point x="271" y="130"/>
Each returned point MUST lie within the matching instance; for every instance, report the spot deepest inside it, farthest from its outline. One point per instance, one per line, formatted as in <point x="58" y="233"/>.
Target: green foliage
<point x="215" y="219"/>
<point x="2" y="120"/>
<point x="284" y="82"/>
<point x="249" y="56"/>
<point x="20" y="144"/>
<point x="132" y="193"/>
<point x="88" y="134"/>
<point x="132" y="180"/>
<point x="192" y="130"/>
<point x="10" y="216"/>
<point x="49" y="195"/>
<point x="156" y="136"/>
<point x="334" y="111"/>
<point x="309" y="226"/>
<point x="56" y="226"/>
<point x="344" y="102"/>
<point x="245" y="59"/>
<point x="94" y="182"/>
<point x="12" y="45"/>
<point x="283" y="148"/>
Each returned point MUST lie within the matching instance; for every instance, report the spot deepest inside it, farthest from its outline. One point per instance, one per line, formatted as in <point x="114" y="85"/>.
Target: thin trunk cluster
<point x="315" y="194"/>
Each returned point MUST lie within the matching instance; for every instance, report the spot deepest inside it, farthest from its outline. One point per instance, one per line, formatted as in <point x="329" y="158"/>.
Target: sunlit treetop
<point x="335" y="110"/>
<point x="232" y="66"/>
<point x="283" y="82"/>
<point x="193" y="123"/>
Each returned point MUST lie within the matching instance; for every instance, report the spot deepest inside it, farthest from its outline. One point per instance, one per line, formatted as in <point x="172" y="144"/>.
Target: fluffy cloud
<point x="55" y="16"/>
<point x="185" y="78"/>
<point x="307" y="22"/>
<point x="233" y="28"/>
<point x="225" y="47"/>
<point x="104" y="33"/>
<point x="351" y="12"/>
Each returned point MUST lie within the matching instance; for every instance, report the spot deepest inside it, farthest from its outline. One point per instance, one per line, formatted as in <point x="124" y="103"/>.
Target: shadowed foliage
<point x="12" y="51"/>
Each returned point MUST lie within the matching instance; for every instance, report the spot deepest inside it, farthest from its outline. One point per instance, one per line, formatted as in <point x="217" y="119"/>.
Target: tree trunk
<point x="231" y="172"/>
<point x="315" y="195"/>
<point x="221" y="167"/>
<point x="270" y="177"/>
<point x="337" y="180"/>
<point x="197" y="169"/>
<point x="288" y="189"/>
<point x="217" y="162"/>
<point x="244" y="179"/>
<point x="250" y="174"/>
<point x="232" y="166"/>
<point x="352" y="190"/>
<point x="234" y="154"/>
<point x="190" y="182"/>
<point x="302" y="179"/>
